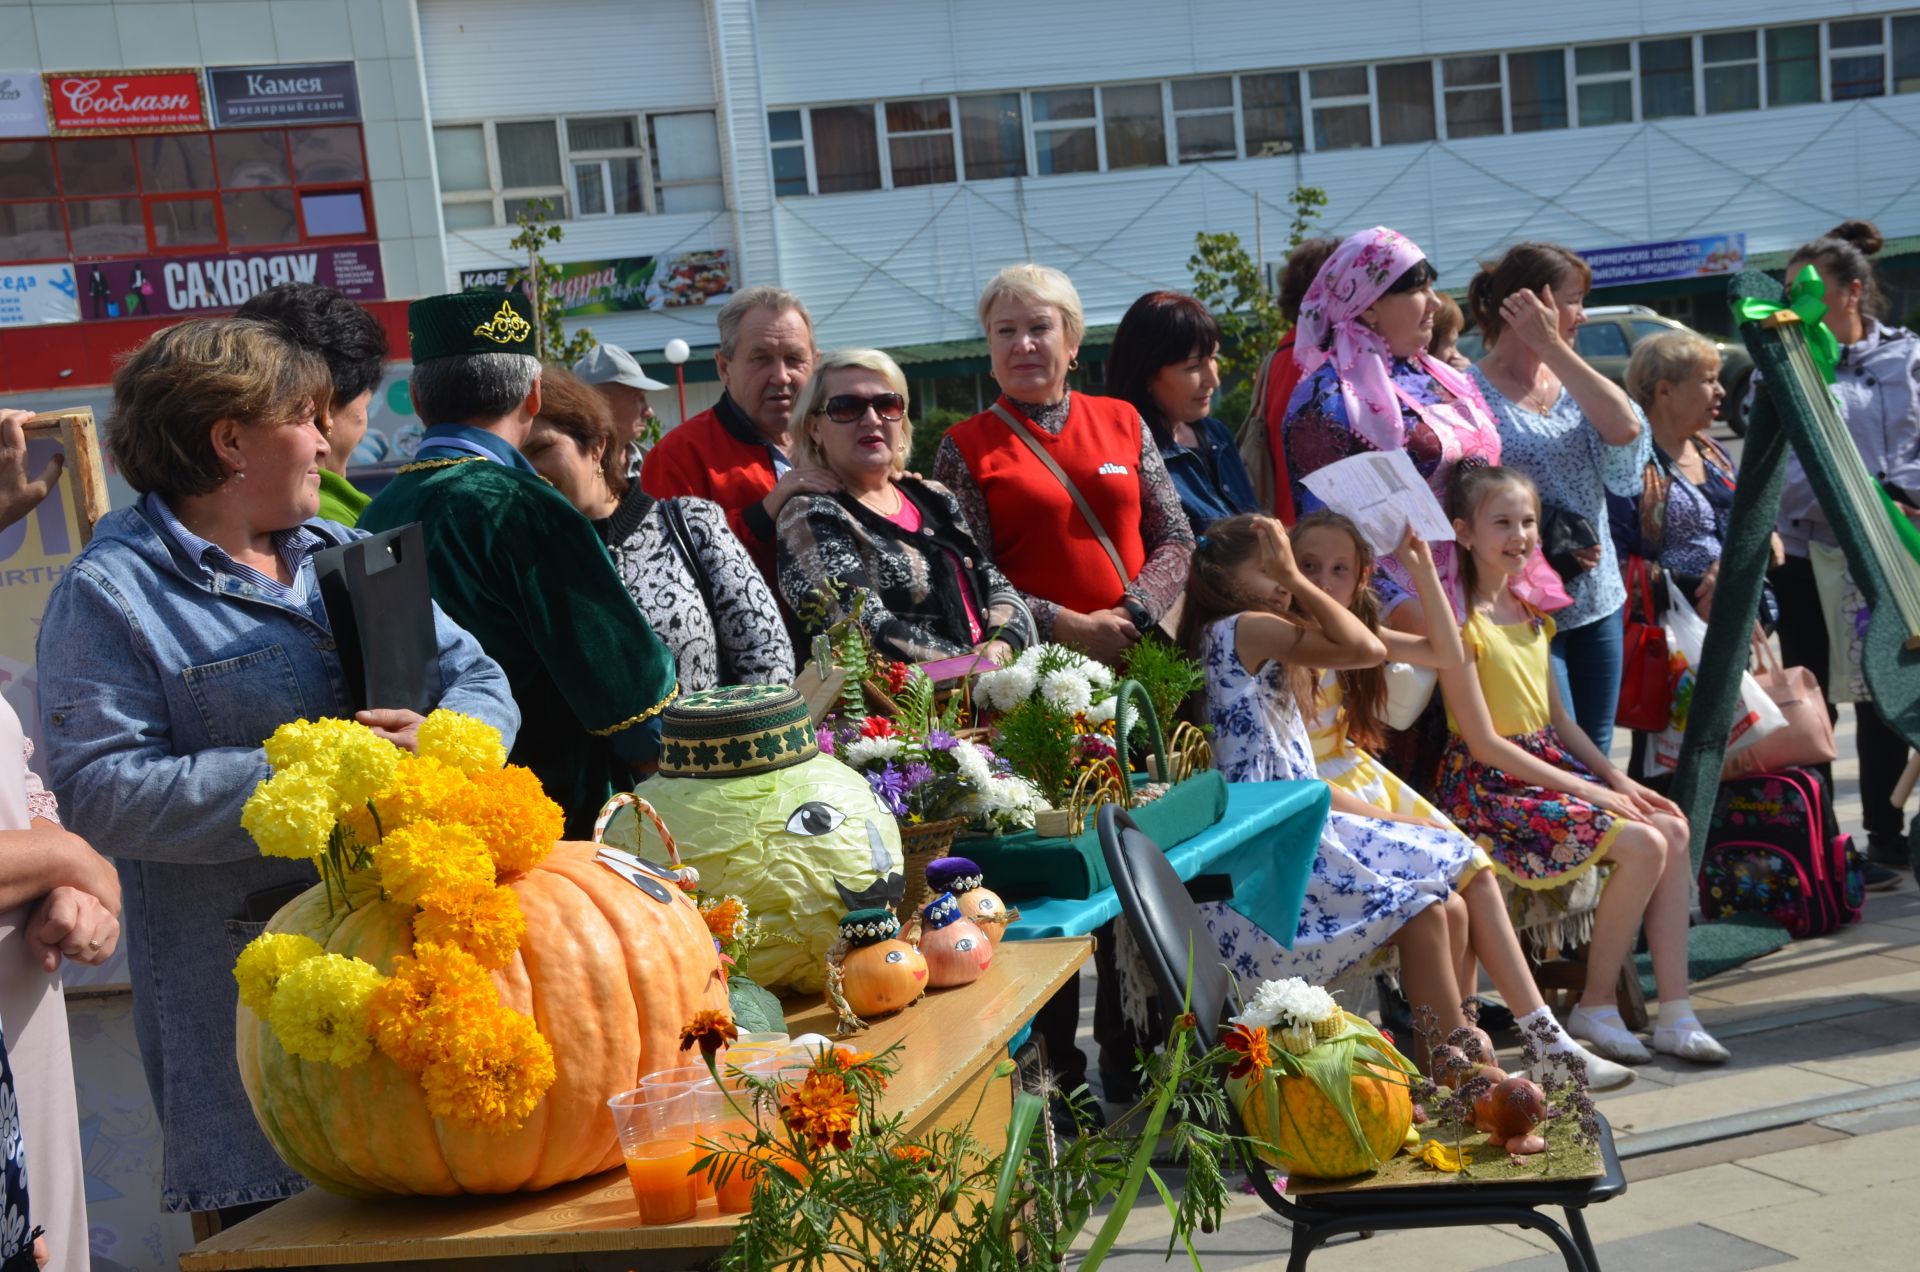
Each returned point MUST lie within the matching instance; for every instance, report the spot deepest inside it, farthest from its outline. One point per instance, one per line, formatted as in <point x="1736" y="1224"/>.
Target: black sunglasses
<point x="846" y="408"/>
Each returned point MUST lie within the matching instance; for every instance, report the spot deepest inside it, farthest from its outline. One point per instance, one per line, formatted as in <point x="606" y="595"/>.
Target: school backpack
<point x="1774" y="848"/>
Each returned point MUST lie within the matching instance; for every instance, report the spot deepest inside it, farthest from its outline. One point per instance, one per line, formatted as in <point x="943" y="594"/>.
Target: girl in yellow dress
<point x="1347" y="719"/>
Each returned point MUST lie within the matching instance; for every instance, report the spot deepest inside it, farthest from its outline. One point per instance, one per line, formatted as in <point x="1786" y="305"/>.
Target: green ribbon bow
<point x="1807" y="298"/>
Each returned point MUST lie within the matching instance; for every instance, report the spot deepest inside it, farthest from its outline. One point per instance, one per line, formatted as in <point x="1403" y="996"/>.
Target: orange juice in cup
<point x="658" y="1127"/>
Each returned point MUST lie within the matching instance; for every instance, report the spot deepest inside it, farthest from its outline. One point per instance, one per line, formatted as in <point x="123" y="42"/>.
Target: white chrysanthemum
<point x="1290" y="1001"/>
<point x="1007" y="688"/>
<point x="1098" y="674"/>
<point x="1066" y="691"/>
<point x="863" y="751"/>
<point x="1101" y="711"/>
<point x="973" y="766"/>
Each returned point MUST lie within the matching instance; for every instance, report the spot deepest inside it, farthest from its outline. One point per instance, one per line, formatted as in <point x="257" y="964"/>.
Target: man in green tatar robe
<point x="517" y="565"/>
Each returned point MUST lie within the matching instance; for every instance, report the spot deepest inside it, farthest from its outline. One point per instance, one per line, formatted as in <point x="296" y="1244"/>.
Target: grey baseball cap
<point x="610" y="364"/>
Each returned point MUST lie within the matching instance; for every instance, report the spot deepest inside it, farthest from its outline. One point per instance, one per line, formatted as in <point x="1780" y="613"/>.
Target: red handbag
<point x="1645" y="688"/>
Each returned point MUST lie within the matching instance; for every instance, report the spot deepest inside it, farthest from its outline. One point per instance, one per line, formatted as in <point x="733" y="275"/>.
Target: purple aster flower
<point x="916" y="773"/>
<point x="825" y="737"/>
<point x="941" y="740"/>
<point x="890" y="785"/>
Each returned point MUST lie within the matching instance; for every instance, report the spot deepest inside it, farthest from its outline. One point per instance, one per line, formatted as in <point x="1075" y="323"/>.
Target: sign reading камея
<point x="314" y="93"/>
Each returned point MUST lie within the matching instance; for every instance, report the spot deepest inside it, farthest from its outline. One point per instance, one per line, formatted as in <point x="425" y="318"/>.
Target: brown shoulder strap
<point x="1020" y="430"/>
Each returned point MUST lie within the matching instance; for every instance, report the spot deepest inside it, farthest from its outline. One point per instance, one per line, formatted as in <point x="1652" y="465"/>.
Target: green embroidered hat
<point x="735" y="731"/>
<point x="470" y="322"/>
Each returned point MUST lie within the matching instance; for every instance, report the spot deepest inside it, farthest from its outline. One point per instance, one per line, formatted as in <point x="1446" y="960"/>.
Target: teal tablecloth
<point x="1265" y="844"/>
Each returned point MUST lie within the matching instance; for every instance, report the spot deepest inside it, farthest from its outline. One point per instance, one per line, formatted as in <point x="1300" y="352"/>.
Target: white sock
<point x="1676" y="1012"/>
<point x="1561" y="1040"/>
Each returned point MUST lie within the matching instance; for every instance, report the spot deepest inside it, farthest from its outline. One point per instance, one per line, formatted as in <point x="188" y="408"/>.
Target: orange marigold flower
<point x="822" y="1109"/>
<point x="514" y="818"/>
<point x="492" y="1075"/>
<point x="710" y="1031"/>
<point x="915" y="1155"/>
<point x="723" y="916"/>
<point x="480" y="917"/>
<point x="432" y="996"/>
<point x="1250" y="1042"/>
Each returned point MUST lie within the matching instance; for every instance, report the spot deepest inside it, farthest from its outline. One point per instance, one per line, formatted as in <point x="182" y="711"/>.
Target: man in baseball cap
<point x="613" y="371"/>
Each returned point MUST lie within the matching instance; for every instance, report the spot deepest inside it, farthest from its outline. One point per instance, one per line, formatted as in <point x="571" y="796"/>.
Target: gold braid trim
<point x="421" y="466"/>
<point x="642" y="718"/>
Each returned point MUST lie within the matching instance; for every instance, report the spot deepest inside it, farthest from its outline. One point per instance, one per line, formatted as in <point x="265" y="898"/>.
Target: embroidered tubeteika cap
<point x="735" y="731"/>
<point x="470" y="322"/>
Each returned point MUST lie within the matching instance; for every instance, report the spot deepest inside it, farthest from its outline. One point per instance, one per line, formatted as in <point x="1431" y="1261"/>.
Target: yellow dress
<point x="1358" y="773"/>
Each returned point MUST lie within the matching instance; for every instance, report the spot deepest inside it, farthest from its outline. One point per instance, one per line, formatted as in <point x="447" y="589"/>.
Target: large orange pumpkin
<point x="1302" y="1134"/>
<point x="608" y="973"/>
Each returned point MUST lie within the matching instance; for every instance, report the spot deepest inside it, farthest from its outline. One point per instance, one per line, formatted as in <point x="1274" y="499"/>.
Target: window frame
<point x="805" y="145"/>
<point x="1694" y="77"/>
<point x="1436" y="108"/>
<point x="571" y="160"/>
<point x="1443" y="92"/>
<point x="1828" y="51"/>
<point x="1819" y="30"/>
<point x="1895" y="23"/>
<point x="1758" y="61"/>
<point x="1021" y="103"/>
<point x="1576" y="81"/>
<point x="1176" y="113"/>
<point x="653" y="184"/>
<point x="1569" y="101"/>
<point x="1299" y="146"/>
<point x="1035" y="126"/>
<point x="1311" y="103"/>
<point x="951" y="132"/>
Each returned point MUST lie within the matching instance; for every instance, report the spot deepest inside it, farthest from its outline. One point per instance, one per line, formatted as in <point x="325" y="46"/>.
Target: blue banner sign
<point x="1659" y="262"/>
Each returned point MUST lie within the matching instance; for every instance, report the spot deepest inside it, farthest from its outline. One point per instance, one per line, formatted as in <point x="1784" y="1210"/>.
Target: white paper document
<point x="1383" y="494"/>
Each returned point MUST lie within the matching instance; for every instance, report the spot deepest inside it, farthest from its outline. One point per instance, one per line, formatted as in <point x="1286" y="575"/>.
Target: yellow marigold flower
<point x="360" y="826"/>
<point x="310" y="742"/>
<point x="428" y="1001"/>
<point x="480" y="917"/>
<point x="363" y="765"/>
<point x="493" y="1074"/>
<point x="422" y="789"/>
<point x="291" y="814"/>
<point x="319" y="1011"/>
<point x="266" y="959"/>
<point x="429" y="857"/>
<point x="460" y="741"/>
<point x="513" y="817"/>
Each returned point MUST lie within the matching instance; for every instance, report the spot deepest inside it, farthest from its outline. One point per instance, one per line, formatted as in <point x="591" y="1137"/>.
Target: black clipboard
<point x="380" y="607"/>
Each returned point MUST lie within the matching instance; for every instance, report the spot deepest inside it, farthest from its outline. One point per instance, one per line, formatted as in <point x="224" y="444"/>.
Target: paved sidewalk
<point x="1800" y="1151"/>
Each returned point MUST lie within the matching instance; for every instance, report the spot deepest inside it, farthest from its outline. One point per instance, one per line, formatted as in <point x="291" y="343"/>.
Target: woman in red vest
<point x="1067" y="489"/>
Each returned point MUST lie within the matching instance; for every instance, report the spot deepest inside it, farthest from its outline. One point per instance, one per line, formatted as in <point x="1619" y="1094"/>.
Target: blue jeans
<point x="1586" y="666"/>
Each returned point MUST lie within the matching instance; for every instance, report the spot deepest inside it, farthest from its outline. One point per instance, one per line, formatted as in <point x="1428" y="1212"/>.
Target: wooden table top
<point x="950" y="1037"/>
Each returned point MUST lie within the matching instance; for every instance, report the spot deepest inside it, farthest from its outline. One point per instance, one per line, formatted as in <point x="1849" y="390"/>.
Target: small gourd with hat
<point x="956" y="950"/>
<point x="964" y="879"/>
<point x="871" y="971"/>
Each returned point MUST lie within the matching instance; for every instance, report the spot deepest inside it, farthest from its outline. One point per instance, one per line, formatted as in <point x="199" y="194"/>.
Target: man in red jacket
<point x="736" y="453"/>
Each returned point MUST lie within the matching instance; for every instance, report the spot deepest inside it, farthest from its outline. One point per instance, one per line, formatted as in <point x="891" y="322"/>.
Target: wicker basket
<point x="922" y="845"/>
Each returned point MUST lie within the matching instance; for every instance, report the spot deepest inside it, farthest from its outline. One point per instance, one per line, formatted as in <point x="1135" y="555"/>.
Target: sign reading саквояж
<point x="160" y="285"/>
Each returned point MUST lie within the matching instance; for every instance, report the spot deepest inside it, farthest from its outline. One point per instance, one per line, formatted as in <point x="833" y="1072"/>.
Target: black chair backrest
<point x="1166" y="922"/>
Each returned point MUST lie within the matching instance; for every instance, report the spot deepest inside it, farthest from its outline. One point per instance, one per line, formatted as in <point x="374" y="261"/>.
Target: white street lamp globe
<point x="677" y="351"/>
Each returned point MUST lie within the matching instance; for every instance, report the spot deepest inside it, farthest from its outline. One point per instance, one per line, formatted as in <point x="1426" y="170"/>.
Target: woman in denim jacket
<point x="187" y="631"/>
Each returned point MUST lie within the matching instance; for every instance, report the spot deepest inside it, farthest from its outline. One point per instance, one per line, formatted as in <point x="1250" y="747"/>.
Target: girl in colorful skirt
<point x="1346" y="721"/>
<point x="1376" y="880"/>
<point x="1523" y="780"/>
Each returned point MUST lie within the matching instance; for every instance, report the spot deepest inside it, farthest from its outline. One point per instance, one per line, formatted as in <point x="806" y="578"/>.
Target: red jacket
<point x="1283" y="377"/>
<point x="705" y="458"/>
<point x="1039" y="538"/>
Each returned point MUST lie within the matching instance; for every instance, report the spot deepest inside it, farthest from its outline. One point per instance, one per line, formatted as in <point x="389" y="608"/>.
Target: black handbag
<point x="380" y="608"/>
<point x="1564" y="532"/>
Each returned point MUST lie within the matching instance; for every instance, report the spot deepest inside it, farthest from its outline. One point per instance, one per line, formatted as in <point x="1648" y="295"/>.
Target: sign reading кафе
<point x="84" y="103"/>
<point x="316" y="93"/>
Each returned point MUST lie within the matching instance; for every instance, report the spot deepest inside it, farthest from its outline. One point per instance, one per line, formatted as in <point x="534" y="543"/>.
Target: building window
<point x="1856" y="58"/>
<point x="608" y="166"/>
<point x="1270" y="114"/>
<point x="1342" y="108"/>
<point x="1603" y="78"/>
<point x="96" y="197"/>
<point x="1730" y="64"/>
<point x="1537" y="85"/>
<point x="920" y="141"/>
<point x="1065" y="132"/>
<point x="1406" y="102"/>
<point x="1472" y="88"/>
<point x="787" y="140"/>
<point x="1666" y="78"/>
<point x="992" y="140"/>
<point x="686" y="162"/>
<point x="1134" y="120"/>
<point x="1793" y="65"/>
<point x="530" y="169"/>
<point x="1906" y="54"/>
<point x="846" y="149"/>
<point x="1203" y="116"/>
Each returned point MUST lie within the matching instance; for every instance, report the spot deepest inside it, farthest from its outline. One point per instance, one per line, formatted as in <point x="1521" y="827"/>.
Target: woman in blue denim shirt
<point x="187" y="631"/>
<point x="1165" y="360"/>
<point x="1577" y="435"/>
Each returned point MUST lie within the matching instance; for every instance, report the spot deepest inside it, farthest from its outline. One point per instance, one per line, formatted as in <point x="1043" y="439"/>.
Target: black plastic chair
<point x="1168" y="926"/>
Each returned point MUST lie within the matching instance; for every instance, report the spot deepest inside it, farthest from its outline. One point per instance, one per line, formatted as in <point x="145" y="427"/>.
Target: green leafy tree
<point x="538" y="233"/>
<point x="1228" y="281"/>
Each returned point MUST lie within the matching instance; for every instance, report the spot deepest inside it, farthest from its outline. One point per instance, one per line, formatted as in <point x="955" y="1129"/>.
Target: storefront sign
<point x="211" y="284"/>
<point x="23" y="107"/>
<point x="629" y="283"/>
<point x="320" y="93"/>
<point x="37" y="295"/>
<point x="85" y="102"/>
<point x="1659" y="262"/>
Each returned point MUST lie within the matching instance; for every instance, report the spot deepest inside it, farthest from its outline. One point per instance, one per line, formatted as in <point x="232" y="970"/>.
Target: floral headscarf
<point x="1357" y="274"/>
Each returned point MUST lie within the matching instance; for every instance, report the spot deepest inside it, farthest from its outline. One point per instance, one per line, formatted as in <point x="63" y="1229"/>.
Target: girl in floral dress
<point x="1376" y="881"/>
<point x="1346" y="719"/>
<point x="1522" y="779"/>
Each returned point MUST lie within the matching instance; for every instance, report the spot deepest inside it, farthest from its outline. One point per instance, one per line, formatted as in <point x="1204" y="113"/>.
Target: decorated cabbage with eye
<point x="763" y="815"/>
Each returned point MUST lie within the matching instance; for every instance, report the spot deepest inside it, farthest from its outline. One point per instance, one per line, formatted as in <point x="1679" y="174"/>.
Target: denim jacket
<point x="159" y="680"/>
<point x="1211" y="477"/>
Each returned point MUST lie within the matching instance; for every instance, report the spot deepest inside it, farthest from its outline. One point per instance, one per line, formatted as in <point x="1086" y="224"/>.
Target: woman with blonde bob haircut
<point x="1068" y="490"/>
<point x="897" y="541"/>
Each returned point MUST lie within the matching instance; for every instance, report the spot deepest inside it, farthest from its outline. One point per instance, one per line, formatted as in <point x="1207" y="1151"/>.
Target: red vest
<point x="1283" y="377"/>
<point x="1039" y="538"/>
<point x="701" y="458"/>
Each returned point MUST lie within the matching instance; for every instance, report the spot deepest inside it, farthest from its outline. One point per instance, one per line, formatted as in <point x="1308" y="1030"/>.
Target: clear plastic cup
<point x="750" y="1039"/>
<point x="727" y="1122"/>
<point x="682" y="1078"/>
<point x="657" y="1130"/>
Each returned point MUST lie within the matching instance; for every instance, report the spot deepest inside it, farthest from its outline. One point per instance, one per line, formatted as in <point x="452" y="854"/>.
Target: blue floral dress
<point x="1369" y="876"/>
<point x="16" y="1236"/>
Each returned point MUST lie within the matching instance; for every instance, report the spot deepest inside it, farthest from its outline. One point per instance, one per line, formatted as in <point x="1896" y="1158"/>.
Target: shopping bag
<point x="1807" y="739"/>
<point x="1644" y="683"/>
<point x="1754" y="718"/>
<point x="380" y="608"/>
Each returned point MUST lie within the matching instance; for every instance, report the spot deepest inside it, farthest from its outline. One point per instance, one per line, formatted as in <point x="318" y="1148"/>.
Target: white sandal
<point x="1607" y="1039"/>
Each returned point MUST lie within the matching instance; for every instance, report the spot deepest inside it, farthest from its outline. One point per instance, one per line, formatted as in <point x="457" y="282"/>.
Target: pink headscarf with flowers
<point x="1357" y="274"/>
